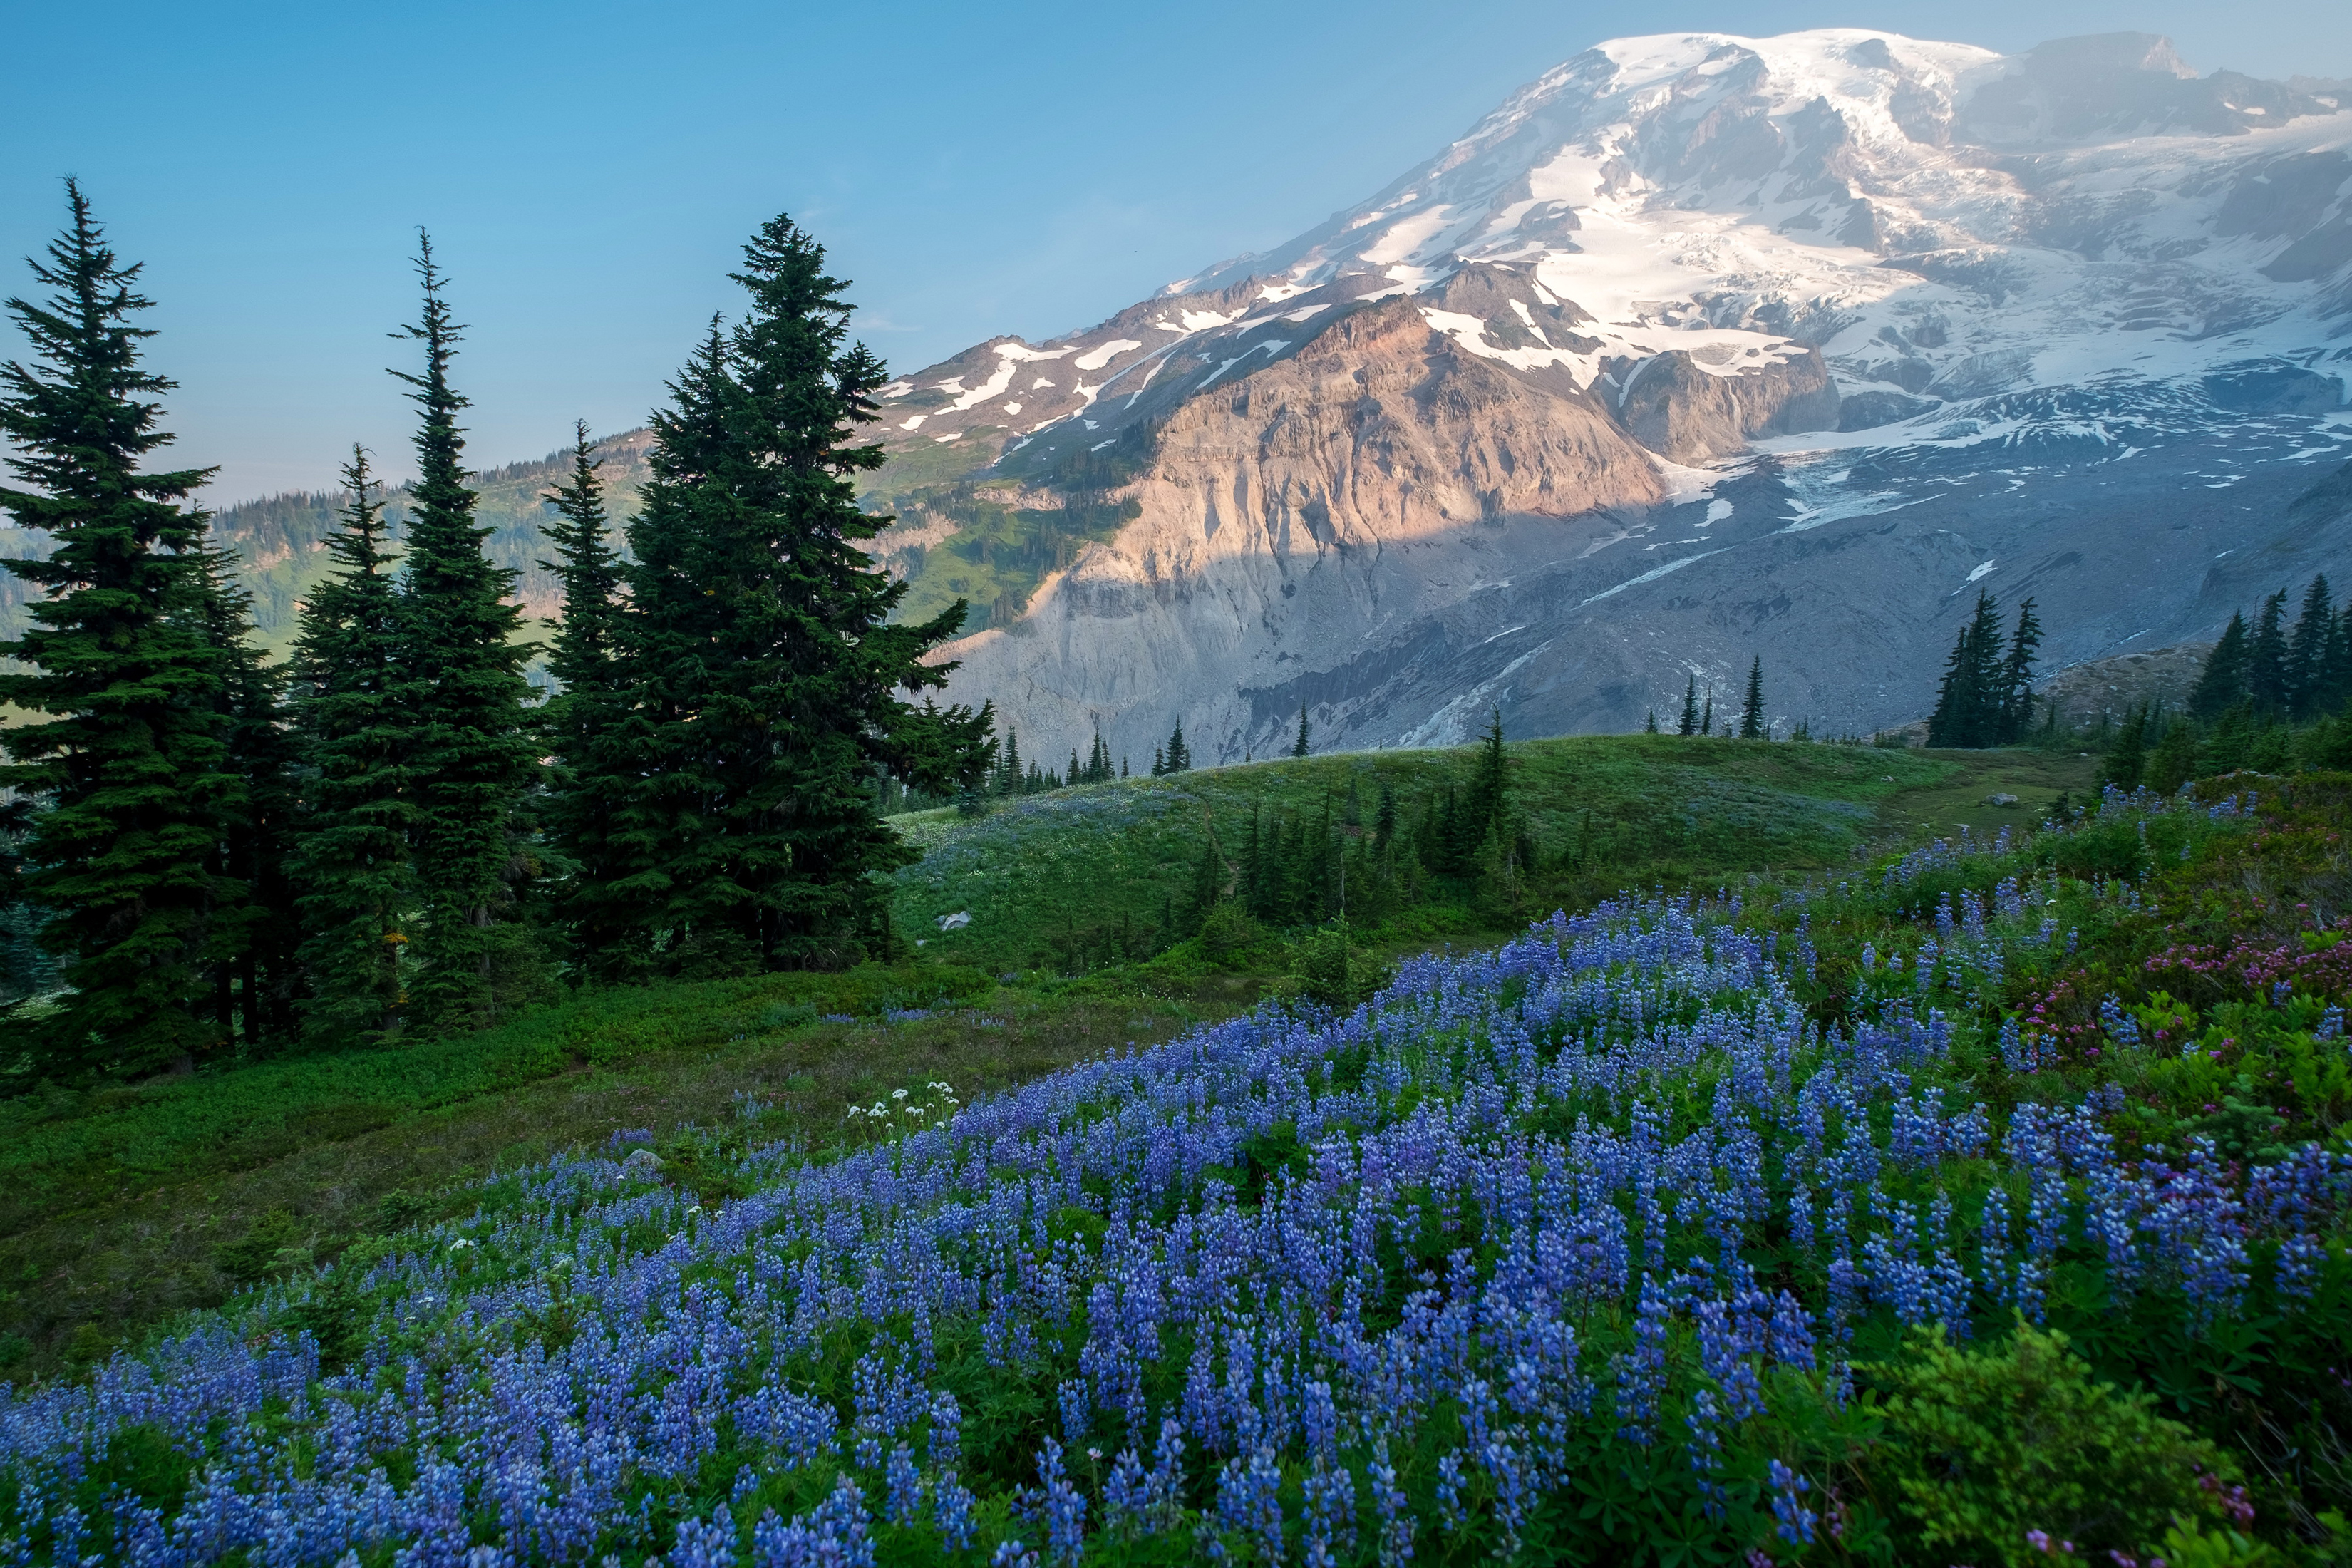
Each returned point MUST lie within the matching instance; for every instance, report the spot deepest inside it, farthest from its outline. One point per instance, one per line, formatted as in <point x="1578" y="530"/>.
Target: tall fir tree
<point x="593" y="733"/>
<point x="581" y="651"/>
<point x="1706" y="715"/>
<point x="2221" y="684"/>
<point x="1969" y="699"/>
<point x="1483" y="812"/>
<point x="1176" y="757"/>
<point x="261" y="983"/>
<point x="135" y="791"/>
<point x="767" y="663"/>
<point x="353" y="880"/>
<point x="2268" y="682"/>
<point x="2016" y="709"/>
<point x="1688" y="724"/>
<point x="470" y="754"/>
<point x="2128" y="754"/>
<point x="1208" y="877"/>
<point x="2306" y="652"/>
<point x="1299" y="748"/>
<point x="2336" y="671"/>
<point x="1752" y="717"/>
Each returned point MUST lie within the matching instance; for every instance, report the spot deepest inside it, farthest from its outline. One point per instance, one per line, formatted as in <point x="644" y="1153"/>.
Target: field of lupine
<point x="1985" y="1206"/>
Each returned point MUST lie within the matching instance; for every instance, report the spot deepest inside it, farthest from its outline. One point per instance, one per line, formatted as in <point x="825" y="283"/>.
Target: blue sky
<point x="588" y="169"/>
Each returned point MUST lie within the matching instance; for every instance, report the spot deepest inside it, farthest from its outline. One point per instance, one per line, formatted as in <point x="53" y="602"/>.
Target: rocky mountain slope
<point x="1698" y="349"/>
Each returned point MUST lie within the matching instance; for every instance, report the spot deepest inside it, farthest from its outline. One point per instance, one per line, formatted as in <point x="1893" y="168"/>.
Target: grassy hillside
<point x="1088" y="875"/>
<point x="122" y="1205"/>
<point x="1949" y="1203"/>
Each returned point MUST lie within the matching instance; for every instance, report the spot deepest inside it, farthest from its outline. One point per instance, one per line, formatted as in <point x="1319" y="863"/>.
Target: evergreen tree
<point x="1317" y="867"/>
<point x="765" y="657"/>
<point x="2174" y="761"/>
<point x="1688" y="724"/>
<point x="353" y="880"/>
<point x="2306" y="654"/>
<point x="263" y="979"/>
<point x="1971" y="698"/>
<point x="1253" y="868"/>
<point x="2221" y="685"/>
<point x="1434" y="835"/>
<point x="1384" y="825"/>
<point x="1751" y="721"/>
<point x="591" y="725"/>
<point x="134" y="788"/>
<point x="1158" y="763"/>
<point x="2016" y="713"/>
<point x="1650" y="723"/>
<point x="1010" y="775"/>
<point x="2336" y="673"/>
<point x="1482" y="814"/>
<point x="1208" y="877"/>
<point x="470" y="754"/>
<point x="582" y="653"/>
<point x="1706" y="715"/>
<point x="2129" y="753"/>
<point x="2268" y="682"/>
<point x="1179" y="756"/>
<point x="1298" y="747"/>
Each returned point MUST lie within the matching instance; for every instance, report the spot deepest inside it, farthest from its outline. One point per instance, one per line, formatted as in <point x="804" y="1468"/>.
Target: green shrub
<point x="1983" y="1445"/>
<point x="2187" y="1546"/>
<point x="253" y="1256"/>
<point x="1227" y="933"/>
<point x="1334" y="971"/>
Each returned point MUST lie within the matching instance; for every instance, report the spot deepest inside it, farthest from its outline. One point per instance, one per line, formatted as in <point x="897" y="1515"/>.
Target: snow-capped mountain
<point x="1699" y="348"/>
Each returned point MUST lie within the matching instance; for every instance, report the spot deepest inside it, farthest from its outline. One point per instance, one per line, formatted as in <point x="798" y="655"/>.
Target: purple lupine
<point x="952" y="1506"/>
<point x="1796" y="1520"/>
<point x="1388" y="1506"/>
<point x="1249" y="1502"/>
<point x="1328" y="1516"/>
<point x="558" y="1454"/>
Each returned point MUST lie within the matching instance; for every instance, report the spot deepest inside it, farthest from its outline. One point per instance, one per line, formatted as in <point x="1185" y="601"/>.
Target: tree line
<point x="390" y="833"/>
<point x="1986" y="696"/>
<point x="2271" y="698"/>
<point x="1697" y="717"/>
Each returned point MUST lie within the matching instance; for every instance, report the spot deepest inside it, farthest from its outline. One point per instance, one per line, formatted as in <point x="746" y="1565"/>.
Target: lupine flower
<point x="1546" y="1126"/>
<point x="1796" y="1520"/>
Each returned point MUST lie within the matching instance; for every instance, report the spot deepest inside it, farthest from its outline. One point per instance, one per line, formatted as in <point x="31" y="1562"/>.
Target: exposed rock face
<point x="2109" y="688"/>
<point x="1319" y="500"/>
<point x="1677" y="408"/>
<point x="1380" y="432"/>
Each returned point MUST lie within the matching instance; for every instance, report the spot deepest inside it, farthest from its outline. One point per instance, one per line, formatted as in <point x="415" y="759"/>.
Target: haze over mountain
<point x="1698" y="349"/>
